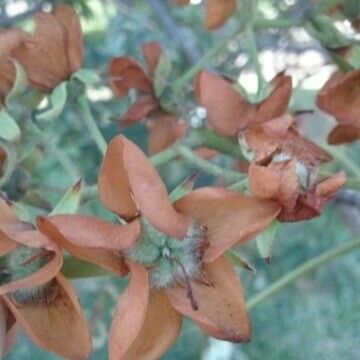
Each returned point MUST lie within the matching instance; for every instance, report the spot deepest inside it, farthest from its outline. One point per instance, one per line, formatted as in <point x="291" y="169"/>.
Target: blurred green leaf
<point x="162" y="74"/>
<point x="9" y="129"/>
<point x="69" y="204"/>
<point x="19" y="84"/>
<point x="265" y="240"/>
<point x="87" y="76"/>
<point x="57" y="101"/>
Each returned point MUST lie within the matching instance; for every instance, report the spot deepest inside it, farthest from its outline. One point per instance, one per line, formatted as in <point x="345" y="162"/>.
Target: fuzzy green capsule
<point x="169" y="260"/>
<point x="23" y="262"/>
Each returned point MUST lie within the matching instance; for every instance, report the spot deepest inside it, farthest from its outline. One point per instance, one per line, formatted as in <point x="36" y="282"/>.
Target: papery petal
<point x="129" y="184"/>
<point x="125" y="74"/>
<point x="230" y="218"/>
<point x="340" y="97"/>
<point x="164" y="130"/>
<point x="222" y="311"/>
<point x="277" y="181"/>
<point x="331" y="185"/>
<point x="140" y="110"/>
<point x="74" y="39"/>
<point x="58" y="326"/>
<point x="8" y="329"/>
<point x="277" y="102"/>
<point x="344" y="133"/>
<point x="161" y="327"/>
<point x="152" y="52"/>
<point x="106" y="258"/>
<point x="44" y="56"/>
<point x="217" y="12"/>
<point x="9" y="40"/>
<point x="91" y="232"/>
<point x="278" y="126"/>
<point x="46" y="272"/>
<point x="227" y="110"/>
<point x="130" y="313"/>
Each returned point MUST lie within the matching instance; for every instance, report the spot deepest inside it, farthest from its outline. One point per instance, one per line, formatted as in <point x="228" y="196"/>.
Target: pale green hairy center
<point x="169" y="260"/>
<point x="21" y="263"/>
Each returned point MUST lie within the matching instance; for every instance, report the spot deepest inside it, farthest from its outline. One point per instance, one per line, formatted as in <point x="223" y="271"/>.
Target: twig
<point x="300" y="271"/>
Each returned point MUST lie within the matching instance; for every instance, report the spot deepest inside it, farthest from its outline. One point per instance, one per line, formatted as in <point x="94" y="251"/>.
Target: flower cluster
<point x="175" y="250"/>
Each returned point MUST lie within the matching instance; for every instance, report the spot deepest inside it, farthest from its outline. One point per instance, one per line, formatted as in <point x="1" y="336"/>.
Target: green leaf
<point x="19" y="85"/>
<point x="32" y="160"/>
<point x="57" y="101"/>
<point x="10" y="162"/>
<point x="20" y="212"/>
<point x="69" y="204"/>
<point x="9" y="129"/>
<point x="162" y="74"/>
<point x="87" y="76"/>
<point x="265" y="240"/>
<point x="183" y="188"/>
<point x="237" y="260"/>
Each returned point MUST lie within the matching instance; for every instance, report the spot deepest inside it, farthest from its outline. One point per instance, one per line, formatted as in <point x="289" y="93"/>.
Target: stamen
<point x="190" y="293"/>
<point x="34" y="257"/>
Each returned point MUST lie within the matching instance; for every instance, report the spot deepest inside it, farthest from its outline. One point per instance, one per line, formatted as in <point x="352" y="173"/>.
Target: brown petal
<point x="277" y="102"/>
<point x="160" y="328"/>
<point x="276" y="181"/>
<point x="344" y="133"/>
<point x="230" y="218"/>
<point x="44" y="57"/>
<point x="125" y="74"/>
<point x="164" y="130"/>
<point x="107" y="259"/>
<point x="217" y="12"/>
<point x="130" y="313"/>
<point x="73" y="35"/>
<point x="129" y="184"/>
<point x="227" y="110"/>
<point x="340" y="97"/>
<point x="152" y="53"/>
<point x="331" y="185"/>
<point x="45" y="273"/>
<point x="222" y="312"/>
<point x="58" y="326"/>
<point x="8" y="329"/>
<point x="91" y="232"/>
<point x="140" y="110"/>
<point x="9" y="40"/>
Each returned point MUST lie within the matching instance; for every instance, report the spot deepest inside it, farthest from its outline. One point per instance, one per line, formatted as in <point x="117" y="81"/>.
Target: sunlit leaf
<point x="265" y="240"/>
<point x="69" y="204"/>
<point x="57" y="101"/>
<point x="183" y="188"/>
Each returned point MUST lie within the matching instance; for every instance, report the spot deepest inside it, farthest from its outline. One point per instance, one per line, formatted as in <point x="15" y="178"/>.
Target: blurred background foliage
<point x="318" y="316"/>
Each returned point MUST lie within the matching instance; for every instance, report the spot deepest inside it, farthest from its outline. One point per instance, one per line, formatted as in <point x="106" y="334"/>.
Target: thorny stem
<point x="90" y="123"/>
<point x="300" y="271"/>
<point x="51" y="147"/>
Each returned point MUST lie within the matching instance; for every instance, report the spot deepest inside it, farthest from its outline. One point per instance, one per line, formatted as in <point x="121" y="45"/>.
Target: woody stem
<point x="91" y="124"/>
<point x="300" y="271"/>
